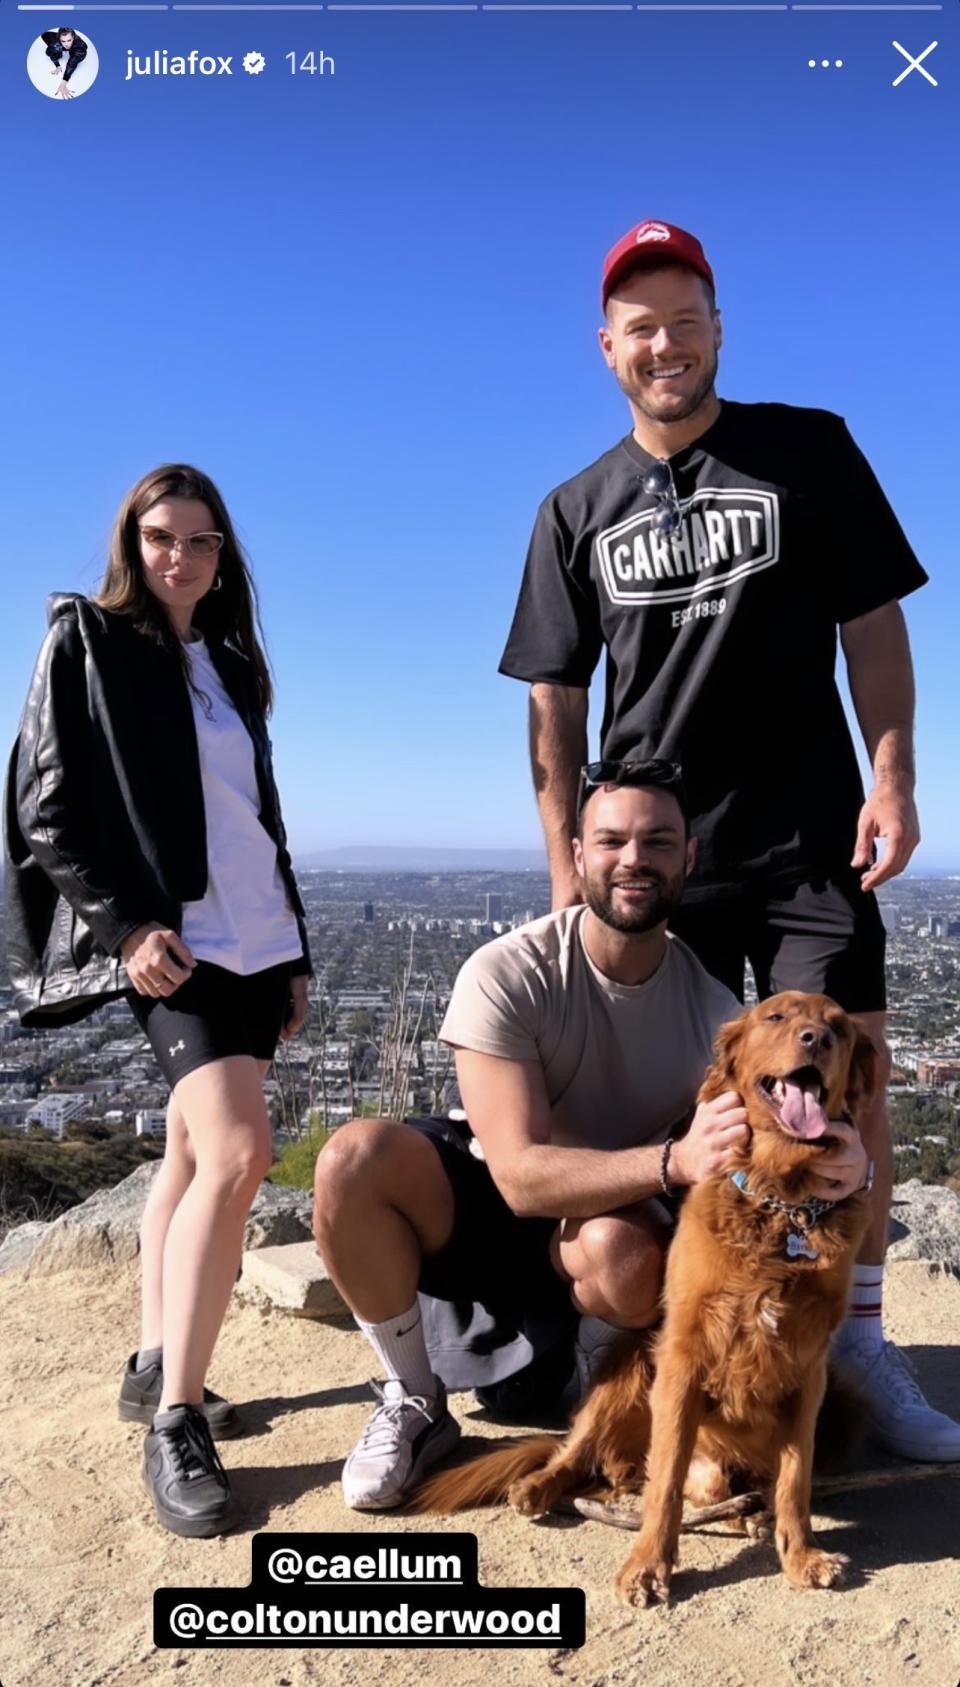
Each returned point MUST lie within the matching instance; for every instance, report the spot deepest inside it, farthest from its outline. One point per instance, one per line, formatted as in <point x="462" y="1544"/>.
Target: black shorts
<point x="491" y="1301"/>
<point x="824" y="935"/>
<point x="215" y="1013"/>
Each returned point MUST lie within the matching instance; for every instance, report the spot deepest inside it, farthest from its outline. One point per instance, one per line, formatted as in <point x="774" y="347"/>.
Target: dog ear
<point x="863" y="1074"/>
<point x="721" y="1075"/>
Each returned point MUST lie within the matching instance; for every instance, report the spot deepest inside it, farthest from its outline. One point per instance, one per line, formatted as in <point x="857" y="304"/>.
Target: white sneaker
<point x="899" y="1416"/>
<point x="406" y="1435"/>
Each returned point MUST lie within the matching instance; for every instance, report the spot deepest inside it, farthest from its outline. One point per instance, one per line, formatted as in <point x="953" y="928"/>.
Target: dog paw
<point x="645" y="1583"/>
<point x="532" y="1496"/>
<point x="757" y="1527"/>
<point x="816" y="1569"/>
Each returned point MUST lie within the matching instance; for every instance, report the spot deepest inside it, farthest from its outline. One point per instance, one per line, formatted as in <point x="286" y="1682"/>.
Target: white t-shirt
<point x="244" y="921"/>
<point x="622" y="1062"/>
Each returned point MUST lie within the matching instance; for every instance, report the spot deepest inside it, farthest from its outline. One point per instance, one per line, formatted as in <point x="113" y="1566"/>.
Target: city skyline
<point x="401" y="856"/>
<point x="382" y="938"/>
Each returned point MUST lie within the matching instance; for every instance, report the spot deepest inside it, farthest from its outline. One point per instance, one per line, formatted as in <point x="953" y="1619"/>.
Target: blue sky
<point x="367" y="303"/>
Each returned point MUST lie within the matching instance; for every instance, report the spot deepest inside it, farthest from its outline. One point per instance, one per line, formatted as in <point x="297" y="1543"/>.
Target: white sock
<point x="863" y="1327"/>
<point x="402" y="1351"/>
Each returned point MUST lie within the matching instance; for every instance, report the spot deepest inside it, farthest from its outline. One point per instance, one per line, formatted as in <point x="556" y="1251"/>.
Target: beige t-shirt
<point x="622" y="1063"/>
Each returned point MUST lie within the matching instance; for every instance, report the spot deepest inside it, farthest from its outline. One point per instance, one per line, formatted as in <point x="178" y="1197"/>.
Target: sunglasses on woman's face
<point x="197" y="544"/>
<point x="658" y="483"/>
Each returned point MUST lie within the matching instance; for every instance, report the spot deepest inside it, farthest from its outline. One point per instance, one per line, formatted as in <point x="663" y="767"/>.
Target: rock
<point x="19" y="1244"/>
<point x="279" y="1216"/>
<point x="925" y="1224"/>
<point x="104" y="1230"/>
<point x="291" y="1279"/>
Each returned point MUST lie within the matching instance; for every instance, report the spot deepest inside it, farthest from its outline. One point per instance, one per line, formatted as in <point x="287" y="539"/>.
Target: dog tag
<point x="799" y="1245"/>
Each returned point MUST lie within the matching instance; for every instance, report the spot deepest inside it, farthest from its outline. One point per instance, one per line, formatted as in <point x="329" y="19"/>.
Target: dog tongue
<point x="801" y="1111"/>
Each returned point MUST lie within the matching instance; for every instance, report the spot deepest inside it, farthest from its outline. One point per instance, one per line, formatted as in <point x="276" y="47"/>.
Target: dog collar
<point x="804" y="1216"/>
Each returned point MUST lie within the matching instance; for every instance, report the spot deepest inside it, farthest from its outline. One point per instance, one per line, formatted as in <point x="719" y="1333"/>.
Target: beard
<point x="598" y="895"/>
<point x="638" y="395"/>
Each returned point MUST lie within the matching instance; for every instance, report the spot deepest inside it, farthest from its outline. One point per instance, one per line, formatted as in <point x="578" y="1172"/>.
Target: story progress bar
<point x="740" y="6"/>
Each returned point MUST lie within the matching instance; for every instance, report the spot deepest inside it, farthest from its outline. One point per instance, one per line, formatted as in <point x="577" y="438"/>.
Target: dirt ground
<point x="80" y="1552"/>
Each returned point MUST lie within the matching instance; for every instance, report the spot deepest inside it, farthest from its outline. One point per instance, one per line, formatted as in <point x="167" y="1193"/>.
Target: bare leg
<point x="168" y="1189"/>
<point x="614" y="1263"/>
<point x="875" y="1130"/>
<point x="229" y="1130"/>
<point x="381" y="1202"/>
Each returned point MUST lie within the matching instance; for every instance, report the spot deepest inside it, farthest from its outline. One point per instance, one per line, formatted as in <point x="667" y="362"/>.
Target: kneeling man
<point x="581" y="1041"/>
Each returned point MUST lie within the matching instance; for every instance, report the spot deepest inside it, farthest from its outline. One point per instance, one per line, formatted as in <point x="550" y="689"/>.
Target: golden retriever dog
<point x="757" y="1280"/>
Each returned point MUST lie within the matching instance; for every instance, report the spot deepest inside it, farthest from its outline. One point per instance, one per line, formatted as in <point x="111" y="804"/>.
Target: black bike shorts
<point x="215" y="1013"/>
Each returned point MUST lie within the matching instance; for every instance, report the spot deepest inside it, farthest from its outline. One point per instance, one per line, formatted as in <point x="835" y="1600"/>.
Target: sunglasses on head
<point x="662" y="775"/>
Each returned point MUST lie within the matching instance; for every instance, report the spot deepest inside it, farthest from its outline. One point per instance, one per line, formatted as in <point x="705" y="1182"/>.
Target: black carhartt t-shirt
<point x="721" y="639"/>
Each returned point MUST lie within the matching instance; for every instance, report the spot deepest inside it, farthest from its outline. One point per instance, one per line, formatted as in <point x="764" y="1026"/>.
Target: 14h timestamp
<point x="311" y="64"/>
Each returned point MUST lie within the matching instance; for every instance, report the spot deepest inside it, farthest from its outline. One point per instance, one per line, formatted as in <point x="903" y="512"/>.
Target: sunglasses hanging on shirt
<point x="658" y="483"/>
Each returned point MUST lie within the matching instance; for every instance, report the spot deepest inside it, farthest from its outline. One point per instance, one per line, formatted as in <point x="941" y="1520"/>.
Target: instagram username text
<point x="163" y="63"/>
<point x="382" y="1589"/>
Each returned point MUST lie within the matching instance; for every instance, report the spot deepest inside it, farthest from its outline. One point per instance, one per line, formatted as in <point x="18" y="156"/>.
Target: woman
<point x="64" y="43"/>
<point x="146" y="856"/>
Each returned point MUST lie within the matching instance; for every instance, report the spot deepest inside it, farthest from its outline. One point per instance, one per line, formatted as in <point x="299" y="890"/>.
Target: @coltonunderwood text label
<point x="724" y="535"/>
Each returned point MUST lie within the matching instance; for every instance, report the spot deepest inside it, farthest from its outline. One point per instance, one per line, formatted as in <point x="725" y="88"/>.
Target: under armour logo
<point x="177" y="1047"/>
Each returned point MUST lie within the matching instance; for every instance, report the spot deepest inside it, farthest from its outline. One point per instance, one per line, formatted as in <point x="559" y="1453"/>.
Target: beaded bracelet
<point x="664" y="1161"/>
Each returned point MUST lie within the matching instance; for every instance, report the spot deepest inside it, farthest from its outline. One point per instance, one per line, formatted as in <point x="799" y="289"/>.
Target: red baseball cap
<point x="648" y="242"/>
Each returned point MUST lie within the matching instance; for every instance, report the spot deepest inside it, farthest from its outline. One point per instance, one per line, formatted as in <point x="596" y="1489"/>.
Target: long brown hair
<point x="228" y="615"/>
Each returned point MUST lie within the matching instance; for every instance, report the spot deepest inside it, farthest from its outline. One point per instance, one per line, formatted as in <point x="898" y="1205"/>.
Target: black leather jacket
<point x="76" y="53"/>
<point x="104" y="824"/>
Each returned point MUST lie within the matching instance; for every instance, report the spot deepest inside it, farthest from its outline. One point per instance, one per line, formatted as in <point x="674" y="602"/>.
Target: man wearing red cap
<point x="711" y="556"/>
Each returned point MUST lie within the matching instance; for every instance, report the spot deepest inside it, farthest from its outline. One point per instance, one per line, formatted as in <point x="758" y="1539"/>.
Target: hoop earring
<point x="217" y="584"/>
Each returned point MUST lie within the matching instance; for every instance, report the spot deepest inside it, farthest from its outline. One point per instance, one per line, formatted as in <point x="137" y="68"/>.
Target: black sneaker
<point x="537" y="1394"/>
<point x="140" y="1393"/>
<point x="183" y="1475"/>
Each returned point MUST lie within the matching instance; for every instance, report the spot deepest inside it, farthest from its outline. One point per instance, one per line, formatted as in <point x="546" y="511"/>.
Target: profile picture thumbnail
<point x="62" y="63"/>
